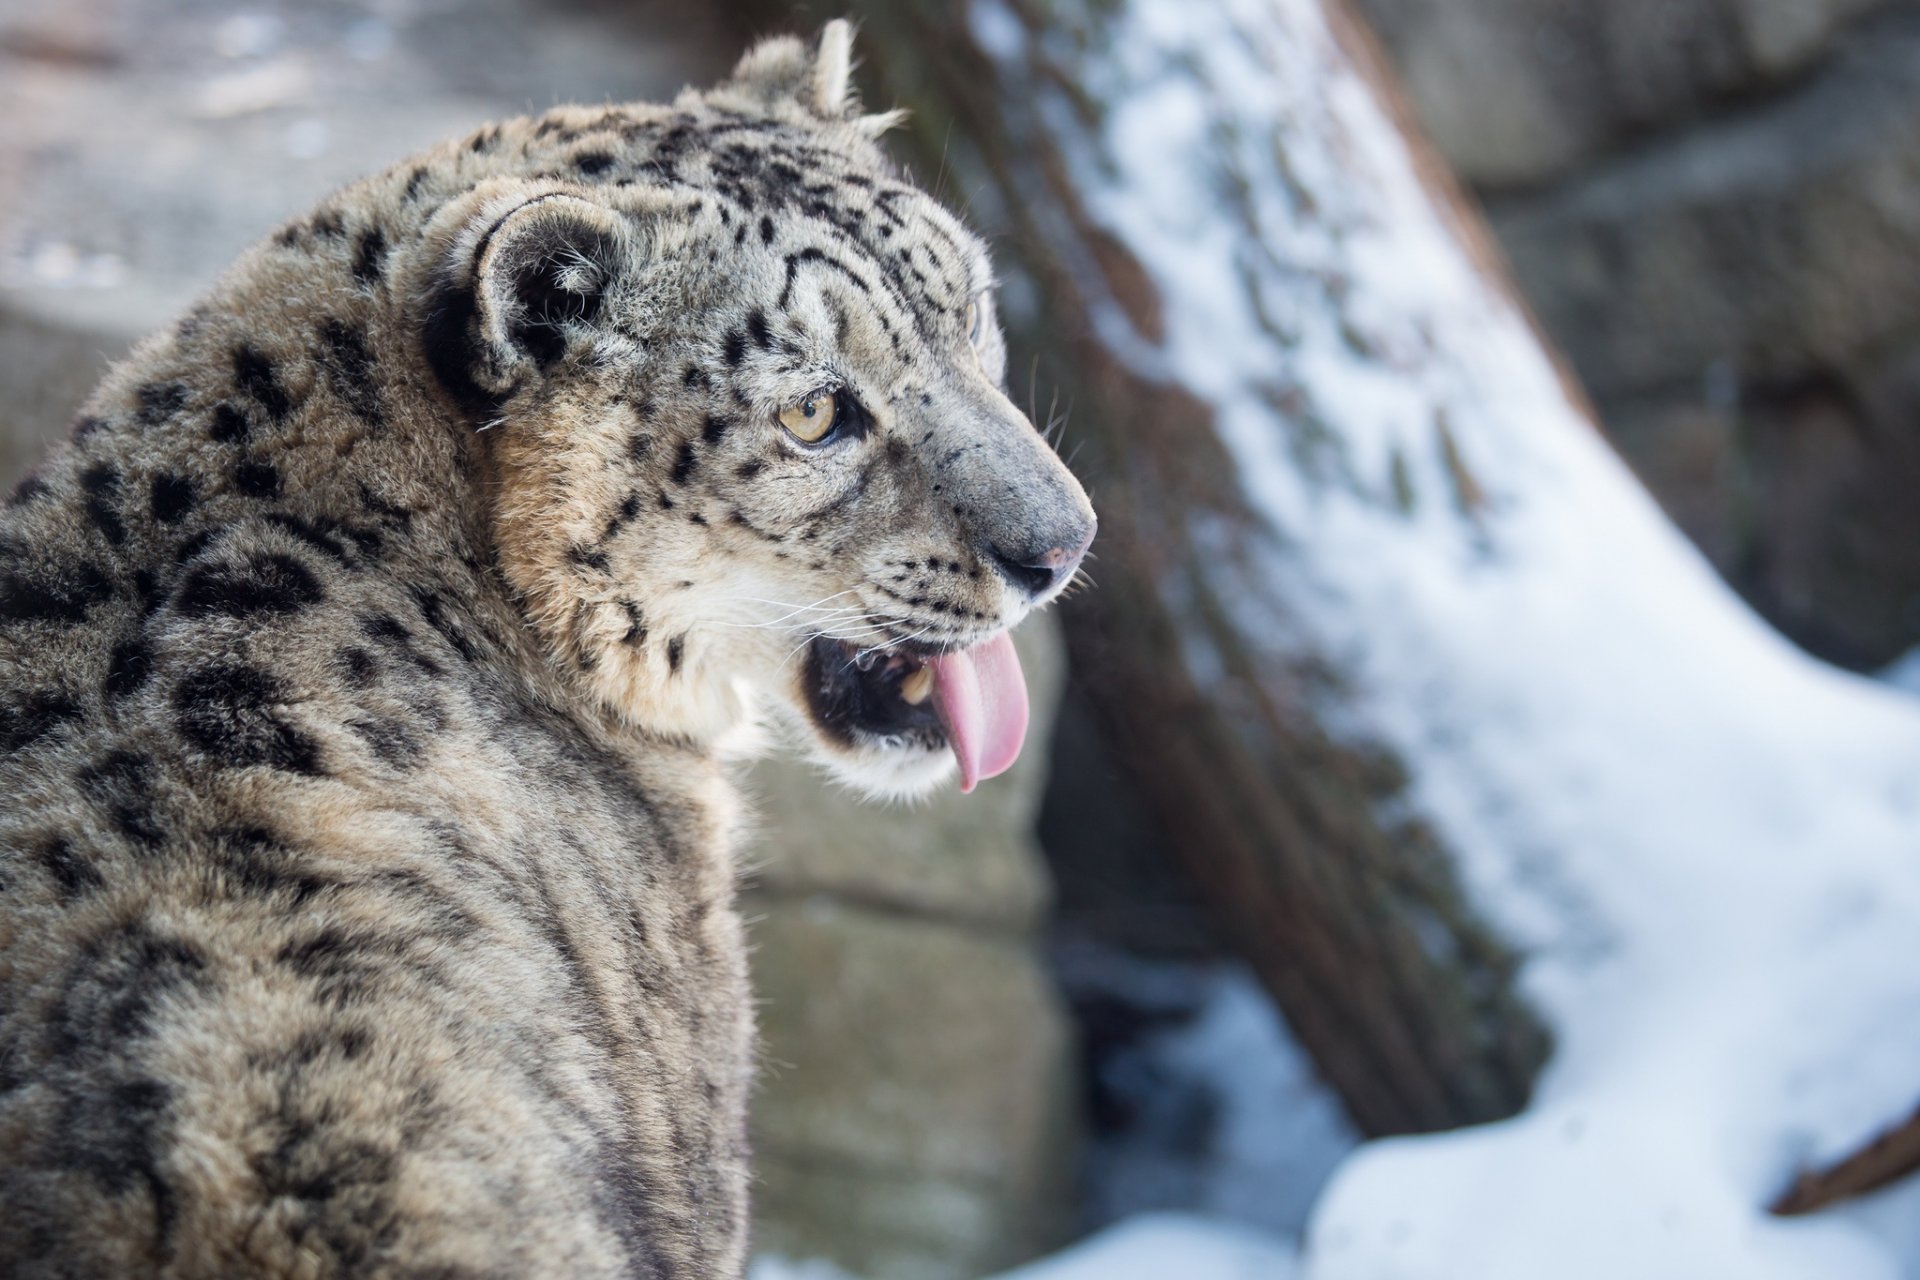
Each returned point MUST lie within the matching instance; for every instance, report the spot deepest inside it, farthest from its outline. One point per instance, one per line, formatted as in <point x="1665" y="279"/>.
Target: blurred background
<point x="1106" y="987"/>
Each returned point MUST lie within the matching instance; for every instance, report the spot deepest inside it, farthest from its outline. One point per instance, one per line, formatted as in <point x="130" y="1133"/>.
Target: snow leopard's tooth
<point x="916" y="687"/>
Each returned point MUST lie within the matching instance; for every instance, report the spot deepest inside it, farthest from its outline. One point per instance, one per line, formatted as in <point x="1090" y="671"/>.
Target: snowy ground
<point x="1167" y="1246"/>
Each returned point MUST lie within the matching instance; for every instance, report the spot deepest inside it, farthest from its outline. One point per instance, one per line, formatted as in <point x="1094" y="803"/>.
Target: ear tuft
<point x="833" y="70"/>
<point x="772" y="69"/>
<point x="879" y="122"/>
<point x="818" y="80"/>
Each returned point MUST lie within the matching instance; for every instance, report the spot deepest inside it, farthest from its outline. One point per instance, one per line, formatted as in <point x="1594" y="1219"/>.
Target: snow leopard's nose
<point x="1033" y="572"/>
<point x="1017" y="507"/>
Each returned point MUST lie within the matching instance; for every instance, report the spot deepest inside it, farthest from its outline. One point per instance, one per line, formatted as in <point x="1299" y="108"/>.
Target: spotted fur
<point x="373" y="658"/>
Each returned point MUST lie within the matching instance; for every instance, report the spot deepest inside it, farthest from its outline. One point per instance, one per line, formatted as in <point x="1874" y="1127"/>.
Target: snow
<point x="774" y="1267"/>
<point x="1165" y="1246"/>
<point x="1159" y="1246"/>
<point x="1904" y="672"/>
<point x="1709" y="843"/>
<point x="1225" y="1117"/>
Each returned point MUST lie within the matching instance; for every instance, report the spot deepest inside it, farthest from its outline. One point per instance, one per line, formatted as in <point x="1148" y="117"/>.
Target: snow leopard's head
<point x="743" y="385"/>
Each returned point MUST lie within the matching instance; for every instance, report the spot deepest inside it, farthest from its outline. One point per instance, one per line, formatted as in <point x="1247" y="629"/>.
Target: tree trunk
<point x="1199" y="663"/>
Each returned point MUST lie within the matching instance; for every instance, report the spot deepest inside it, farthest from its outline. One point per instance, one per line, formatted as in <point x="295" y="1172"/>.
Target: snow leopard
<point x="378" y="655"/>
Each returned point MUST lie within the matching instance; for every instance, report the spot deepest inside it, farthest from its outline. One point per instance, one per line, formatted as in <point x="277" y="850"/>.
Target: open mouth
<point x="973" y="701"/>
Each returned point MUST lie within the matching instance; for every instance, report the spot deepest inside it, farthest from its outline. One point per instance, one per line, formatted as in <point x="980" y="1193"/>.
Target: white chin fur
<point x="885" y="773"/>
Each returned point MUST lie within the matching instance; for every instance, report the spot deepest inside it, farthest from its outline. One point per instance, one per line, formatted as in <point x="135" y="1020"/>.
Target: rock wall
<point x="916" y="1118"/>
<point x="1714" y="205"/>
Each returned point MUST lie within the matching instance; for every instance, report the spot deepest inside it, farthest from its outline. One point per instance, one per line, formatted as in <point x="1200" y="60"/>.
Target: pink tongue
<point x="982" y="699"/>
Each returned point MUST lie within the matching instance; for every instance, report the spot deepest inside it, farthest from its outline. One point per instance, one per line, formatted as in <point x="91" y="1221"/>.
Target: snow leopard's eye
<point x="813" y="418"/>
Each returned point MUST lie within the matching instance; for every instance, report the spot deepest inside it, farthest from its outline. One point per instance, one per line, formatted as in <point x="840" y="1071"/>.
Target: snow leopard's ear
<point x="820" y="79"/>
<point x="523" y="279"/>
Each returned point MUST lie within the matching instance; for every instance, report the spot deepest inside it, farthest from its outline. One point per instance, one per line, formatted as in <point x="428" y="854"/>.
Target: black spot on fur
<point x="686" y="464"/>
<point x="229" y="424"/>
<point x="414" y="181"/>
<point x="386" y="628"/>
<point x="29" y="717"/>
<point x="358" y="666"/>
<point x="159" y="401"/>
<point x="61" y="594"/>
<point x="231" y="712"/>
<point x="146" y="589"/>
<point x="391" y="742"/>
<point x="109" y="993"/>
<point x="757" y="328"/>
<point x="739" y="519"/>
<point x="265" y="584"/>
<point x="336" y="1188"/>
<point x="676" y="647"/>
<point x="750" y="468"/>
<point x="193" y="544"/>
<point x="590" y="559"/>
<point x="766" y="229"/>
<point x="636" y="624"/>
<point x="434" y="610"/>
<point x="320" y="534"/>
<point x="111" y="1129"/>
<point x="252" y="860"/>
<point x="391" y="514"/>
<point x="73" y="873"/>
<point x="255" y="375"/>
<point x="171" y="497"/>
<point x="121" y="784"/>
<point x="348" y="366"/>
<point x="329" y="224"/>
<point x="369" y="256"/>
<point x="86" y="426"/>
<point x="734" y="348"/>
<point x="128" y="667"/>
<point x="593" y="162"/>
<point x="325" y="536"/>
<point x="256" y="478"/>
<point x="29" y="488"/>
<point x="715" y="429"/>
<point x="809" y="256"/>
<point x="344" y="963"/>
<point x="101" y="484"/>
